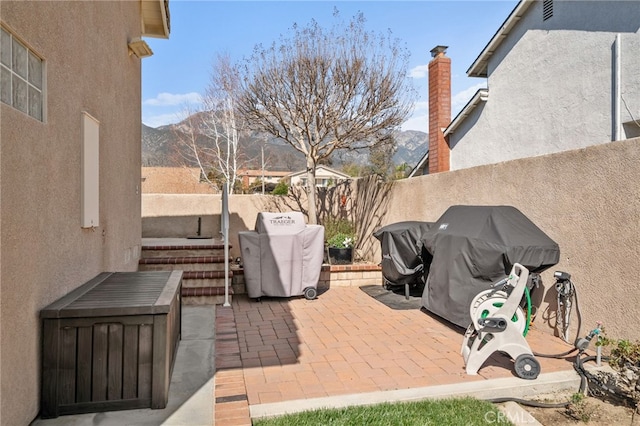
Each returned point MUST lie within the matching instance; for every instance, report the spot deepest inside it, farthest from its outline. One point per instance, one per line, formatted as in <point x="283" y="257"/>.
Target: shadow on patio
<point x="285" y="355"/>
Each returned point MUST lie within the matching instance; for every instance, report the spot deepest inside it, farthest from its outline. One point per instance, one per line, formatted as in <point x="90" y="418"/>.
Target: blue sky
<point x="179" y="70"/>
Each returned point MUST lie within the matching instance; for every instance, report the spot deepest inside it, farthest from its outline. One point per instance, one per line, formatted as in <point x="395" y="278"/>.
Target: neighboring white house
<point x="561" y="75"/>
<point x="272" y="177"/>
<point x="325" y="177"/>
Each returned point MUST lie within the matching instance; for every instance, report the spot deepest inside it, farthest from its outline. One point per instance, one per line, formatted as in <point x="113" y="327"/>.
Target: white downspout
<point x="617" y="90"/>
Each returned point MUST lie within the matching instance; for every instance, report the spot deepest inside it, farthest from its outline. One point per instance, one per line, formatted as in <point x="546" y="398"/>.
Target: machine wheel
<point x="386" y="284"/>
<point x="527" y="367"/>
<point x="310" y="293"/>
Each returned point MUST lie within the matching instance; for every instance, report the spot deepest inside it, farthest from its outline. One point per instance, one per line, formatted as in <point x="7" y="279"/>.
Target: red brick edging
<point x="231" y="401"/>
<point x="352" y="267"/>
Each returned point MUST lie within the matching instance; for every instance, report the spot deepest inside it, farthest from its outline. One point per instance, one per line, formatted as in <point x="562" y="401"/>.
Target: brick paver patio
<point x="344" y="342"/>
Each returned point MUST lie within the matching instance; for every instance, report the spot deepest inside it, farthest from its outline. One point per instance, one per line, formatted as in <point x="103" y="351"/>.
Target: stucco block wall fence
<point x="587" y="200"/>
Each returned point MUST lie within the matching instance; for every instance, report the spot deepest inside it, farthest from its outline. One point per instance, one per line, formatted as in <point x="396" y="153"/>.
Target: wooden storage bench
<point x="111" y="344"/>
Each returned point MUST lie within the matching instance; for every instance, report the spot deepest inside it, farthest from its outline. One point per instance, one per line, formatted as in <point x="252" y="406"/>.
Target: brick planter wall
<point x="330" y="276"/>
<point x="350" y="275"/>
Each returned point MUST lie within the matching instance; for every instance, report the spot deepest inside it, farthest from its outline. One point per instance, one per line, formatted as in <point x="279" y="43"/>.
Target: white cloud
<point x="421" y="71"/>
<point x="163" y="119"/>
<point x="419" y="120"/>
<point x="460" y="99"/>
<point x="171" y="99"/>
<point x="420" y="107"/>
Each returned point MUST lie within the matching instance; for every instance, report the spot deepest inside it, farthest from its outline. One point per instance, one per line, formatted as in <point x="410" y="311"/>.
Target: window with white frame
<point x="21" y="76"/>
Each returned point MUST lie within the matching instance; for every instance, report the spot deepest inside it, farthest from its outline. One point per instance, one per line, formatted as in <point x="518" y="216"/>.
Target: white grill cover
<point x="283" y="256"/>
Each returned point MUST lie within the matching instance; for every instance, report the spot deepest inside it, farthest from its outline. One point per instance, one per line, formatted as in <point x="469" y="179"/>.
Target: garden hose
<point x="572" y="350"/>
<point x="598" y="388"/>
<point x="528" y="317"/>
<point x="560" y="355"/>
<point x="578" y="364"/>
<point x="529" y="403"/>
<point x="584" y="375"/>
<point x="526" y="326"/>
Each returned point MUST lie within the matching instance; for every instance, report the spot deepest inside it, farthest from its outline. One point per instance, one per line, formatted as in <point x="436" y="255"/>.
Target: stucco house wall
<point x="45" y="253"/>
<point x="551" y="84"/>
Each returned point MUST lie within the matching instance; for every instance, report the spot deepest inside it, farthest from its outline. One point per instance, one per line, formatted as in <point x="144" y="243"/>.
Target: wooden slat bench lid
<point x="118" y="293"/>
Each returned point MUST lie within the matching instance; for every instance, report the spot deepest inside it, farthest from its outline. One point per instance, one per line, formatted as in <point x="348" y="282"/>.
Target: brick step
<point x="204" y="295"/>
<point x="198" y="275"/>
<point x="205" y="278"/>
<point x="182" y="251"/>
<point x="185" y="263"/>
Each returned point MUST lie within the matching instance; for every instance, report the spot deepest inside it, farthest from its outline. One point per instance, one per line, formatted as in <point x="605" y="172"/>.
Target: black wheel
<point x="310" y="293"/>
<point x="386" y="284"/>
<point x="527" y="367"/>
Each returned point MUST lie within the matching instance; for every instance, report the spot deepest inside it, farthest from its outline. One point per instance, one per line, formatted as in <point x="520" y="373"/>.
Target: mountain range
<point x="162" y="146"/>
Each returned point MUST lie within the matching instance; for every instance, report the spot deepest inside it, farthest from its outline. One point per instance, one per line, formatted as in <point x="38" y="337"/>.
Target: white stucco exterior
<point x="552" y="84"/>
<point x="324" y="177"/>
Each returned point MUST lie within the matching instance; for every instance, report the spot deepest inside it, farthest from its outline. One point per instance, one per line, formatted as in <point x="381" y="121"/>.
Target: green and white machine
<point x="500" y="324"/>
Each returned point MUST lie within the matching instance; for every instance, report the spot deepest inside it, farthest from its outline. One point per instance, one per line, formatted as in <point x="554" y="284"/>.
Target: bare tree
<point x="209" y="138"/>
<point x="381" y="159"/>
<point x="325" y="90"/>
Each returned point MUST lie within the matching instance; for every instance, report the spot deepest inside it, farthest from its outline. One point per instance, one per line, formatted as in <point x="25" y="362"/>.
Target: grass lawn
<point x="443" y="412"/>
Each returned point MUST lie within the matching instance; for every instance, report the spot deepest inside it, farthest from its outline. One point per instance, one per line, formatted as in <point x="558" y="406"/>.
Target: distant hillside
<point x="161" y="147"/>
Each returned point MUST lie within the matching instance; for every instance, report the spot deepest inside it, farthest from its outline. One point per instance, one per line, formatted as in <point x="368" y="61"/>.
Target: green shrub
<point x="337" y="231"/>
<point x="623" y="352"/>
<point x="341" y="240"/>
<point x="281" y="189"/>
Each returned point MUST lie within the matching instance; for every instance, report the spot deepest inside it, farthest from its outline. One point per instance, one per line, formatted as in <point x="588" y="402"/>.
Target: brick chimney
<point x="439" y="109"/>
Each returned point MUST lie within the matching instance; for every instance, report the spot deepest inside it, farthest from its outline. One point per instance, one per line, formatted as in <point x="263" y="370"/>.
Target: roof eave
<point x="480" y="96"/>
<point x="303" y="172"/>
<point x="420" y="164"/>
<point x="155" y="18"/>
<point x="480" y="65"/>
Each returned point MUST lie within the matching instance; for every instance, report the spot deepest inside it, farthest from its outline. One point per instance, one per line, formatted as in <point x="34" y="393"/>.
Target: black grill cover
<point x="475" y="246"/>
<point x="403" y="259"/>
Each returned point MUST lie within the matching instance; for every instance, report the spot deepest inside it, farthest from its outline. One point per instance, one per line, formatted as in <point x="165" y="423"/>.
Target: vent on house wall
<point x="547" y="9"/>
